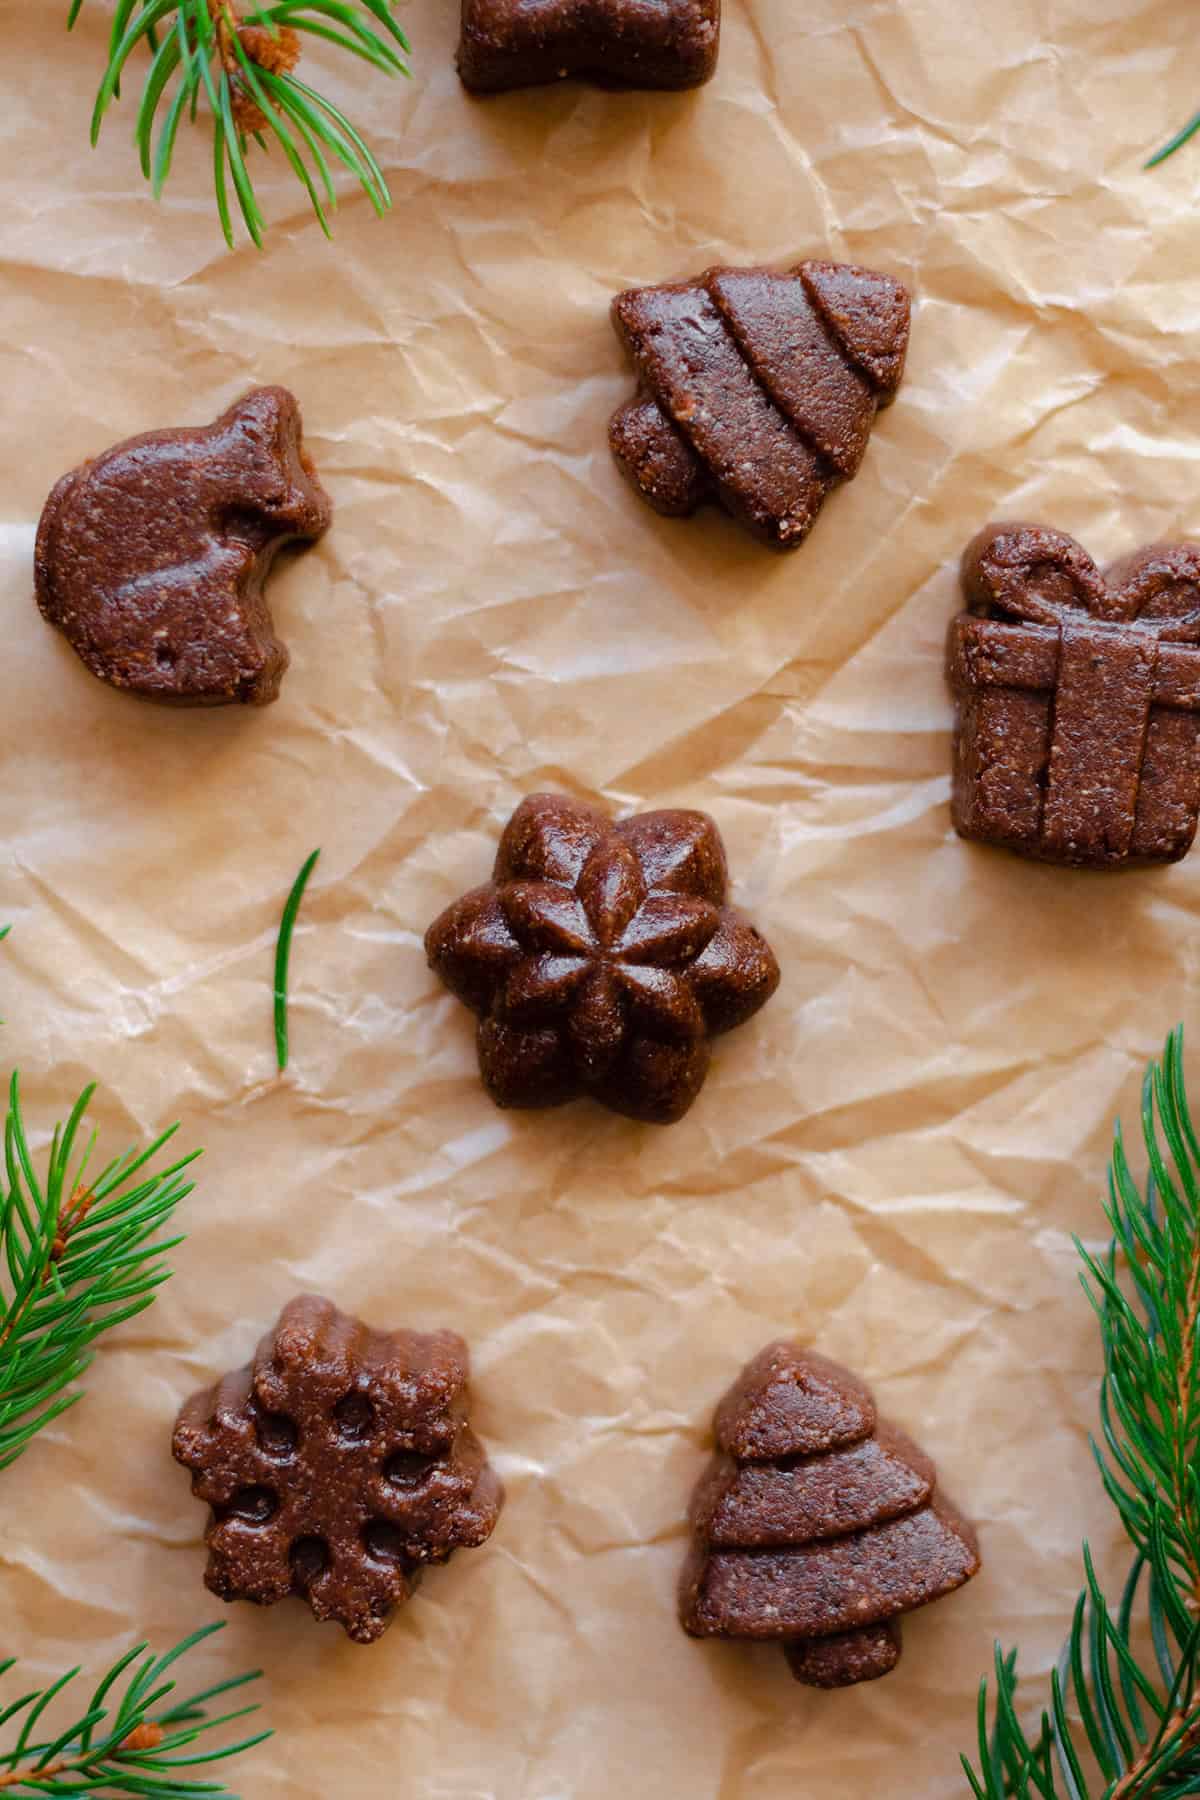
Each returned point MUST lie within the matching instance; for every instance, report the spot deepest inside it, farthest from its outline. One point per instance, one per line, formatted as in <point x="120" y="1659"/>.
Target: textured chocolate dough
<point x="848" y="1658"/>
<point x="817" y="1525"/>
<point x="1078" y="700"/>
<point x="627" y="43"/>
<point x="601" y="959"/>
<point x="337" y="1465"/>
<point x="757" y="390"/>
<point x="151" y="558"/>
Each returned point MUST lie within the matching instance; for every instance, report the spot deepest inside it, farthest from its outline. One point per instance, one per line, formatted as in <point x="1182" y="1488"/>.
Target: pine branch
<point x="238" y="68"/>
<point x="1134" y="1733"/>
<point x="133" y="1744"/>
<point x="75" y="1260"/>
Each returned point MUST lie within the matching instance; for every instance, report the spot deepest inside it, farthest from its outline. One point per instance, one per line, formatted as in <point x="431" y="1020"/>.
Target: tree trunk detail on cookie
<point x="757" y="389"/>
<point x="816" y="1524"/>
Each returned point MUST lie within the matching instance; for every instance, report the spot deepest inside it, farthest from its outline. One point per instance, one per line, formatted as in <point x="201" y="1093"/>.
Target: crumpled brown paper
<point x="890" y="1160"/>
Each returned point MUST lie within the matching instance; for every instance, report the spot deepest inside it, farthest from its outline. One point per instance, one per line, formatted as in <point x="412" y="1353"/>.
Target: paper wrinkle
<point x="891" y="1161"/>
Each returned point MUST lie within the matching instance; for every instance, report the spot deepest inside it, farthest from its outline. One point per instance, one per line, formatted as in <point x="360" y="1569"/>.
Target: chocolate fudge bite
<point x="602" y="959"/>
<point x="1078" y="700"/>
<point x="151" y="558"/>
<point x="338" y="1466"/>
<point x="622" y="43"/>
<point x="816" y="1524"/>
<point x="757" y="390"/>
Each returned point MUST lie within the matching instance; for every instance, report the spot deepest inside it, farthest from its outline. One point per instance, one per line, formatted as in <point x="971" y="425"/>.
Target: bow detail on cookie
<point x="1046" y="578"/>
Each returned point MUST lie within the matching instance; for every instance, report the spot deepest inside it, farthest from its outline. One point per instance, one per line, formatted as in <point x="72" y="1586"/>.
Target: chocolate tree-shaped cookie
<point x="522" y="43"/>
<point x="757" y="389"/>
<point x="338" y="1465"/>
<point x="1078" y="696"/>
<point x="151" y="558"/>
<point x="602" y="959"/>
<point x="816" y="1524"/>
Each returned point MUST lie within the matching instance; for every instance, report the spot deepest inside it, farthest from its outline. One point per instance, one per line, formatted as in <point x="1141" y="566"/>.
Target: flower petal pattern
<point x="680" y="851"/>
<point x="661" y="1002"/>
<point x="601" y="959"/>
<point x="611" y="889"/>
<point x="596" y="1027"/>
<point x="471" y="947"/>
<point x="544" y="916"/>
<point x="549" y="838"/>
<point x="540" y="987"/>
<point x="669" y="930"/>
<point x="524" y="1068"/>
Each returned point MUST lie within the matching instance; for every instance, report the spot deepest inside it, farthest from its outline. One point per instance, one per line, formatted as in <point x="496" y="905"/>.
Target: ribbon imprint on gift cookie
<point x="1078" y="696"/>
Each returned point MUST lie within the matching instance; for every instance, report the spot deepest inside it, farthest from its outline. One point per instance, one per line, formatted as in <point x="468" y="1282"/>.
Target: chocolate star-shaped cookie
<point x="602" y="959"/>
<point x="627" y="43"/>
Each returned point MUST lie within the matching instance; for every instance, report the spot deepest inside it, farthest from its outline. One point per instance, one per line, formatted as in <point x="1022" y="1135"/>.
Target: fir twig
<point x="238" y="67"/>
<point x="1134" y="1732"/>
<point x="75" y="1260"/>
<point x="131" y="1744"/>
<point x="283" y="958"/>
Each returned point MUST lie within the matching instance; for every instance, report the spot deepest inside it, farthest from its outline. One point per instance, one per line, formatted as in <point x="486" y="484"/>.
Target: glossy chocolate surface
<point x="602" y="959"/>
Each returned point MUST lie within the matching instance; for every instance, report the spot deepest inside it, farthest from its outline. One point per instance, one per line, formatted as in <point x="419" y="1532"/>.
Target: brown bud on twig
<point x="71" y="1216"/>
<point x="278" y="53"/>
<point x="147" y="1736"/>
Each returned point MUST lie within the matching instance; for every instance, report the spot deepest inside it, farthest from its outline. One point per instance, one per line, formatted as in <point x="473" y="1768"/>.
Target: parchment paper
<point x="890" y="1161"/>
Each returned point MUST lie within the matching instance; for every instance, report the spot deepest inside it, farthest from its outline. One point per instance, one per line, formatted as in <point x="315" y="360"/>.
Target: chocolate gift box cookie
<point x="151" y="558"/>
<point x="1078" y="700"/>
<point x="757" y="390"/>
<point x="338" y="1466"/>
<point x="602" y="959"/>
<point x="817" y="1525"/>
<point x="525" y="43"/>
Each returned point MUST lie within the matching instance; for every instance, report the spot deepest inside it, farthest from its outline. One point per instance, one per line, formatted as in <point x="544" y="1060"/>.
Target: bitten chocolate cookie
<point x="1078" y="697"/>
<point x="602" y="959"/>
<point x="757" y="389"/>
<point x="151" y="559"/>
<point x="816" y="1524"/>
<point x="338" y="1465"/>
<point x="628" y="43"/>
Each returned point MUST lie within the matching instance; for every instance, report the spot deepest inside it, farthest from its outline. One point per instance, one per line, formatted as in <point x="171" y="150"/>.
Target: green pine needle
<point x="76" y="1258"/>
<point x="198" y="59"/>
<point x="283" y="958"/>
<point x="1123" y="1721"/>
<point x="126" y="1741"/>
<point x="1176" y="143"/>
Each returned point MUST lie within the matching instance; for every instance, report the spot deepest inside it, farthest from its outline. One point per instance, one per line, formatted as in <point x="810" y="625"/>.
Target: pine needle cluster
<point x="240" y="71"/>
<point x="76" y="1258"/>
<point x="128" y="1739"/>
<point x="1123" y="1722"/>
